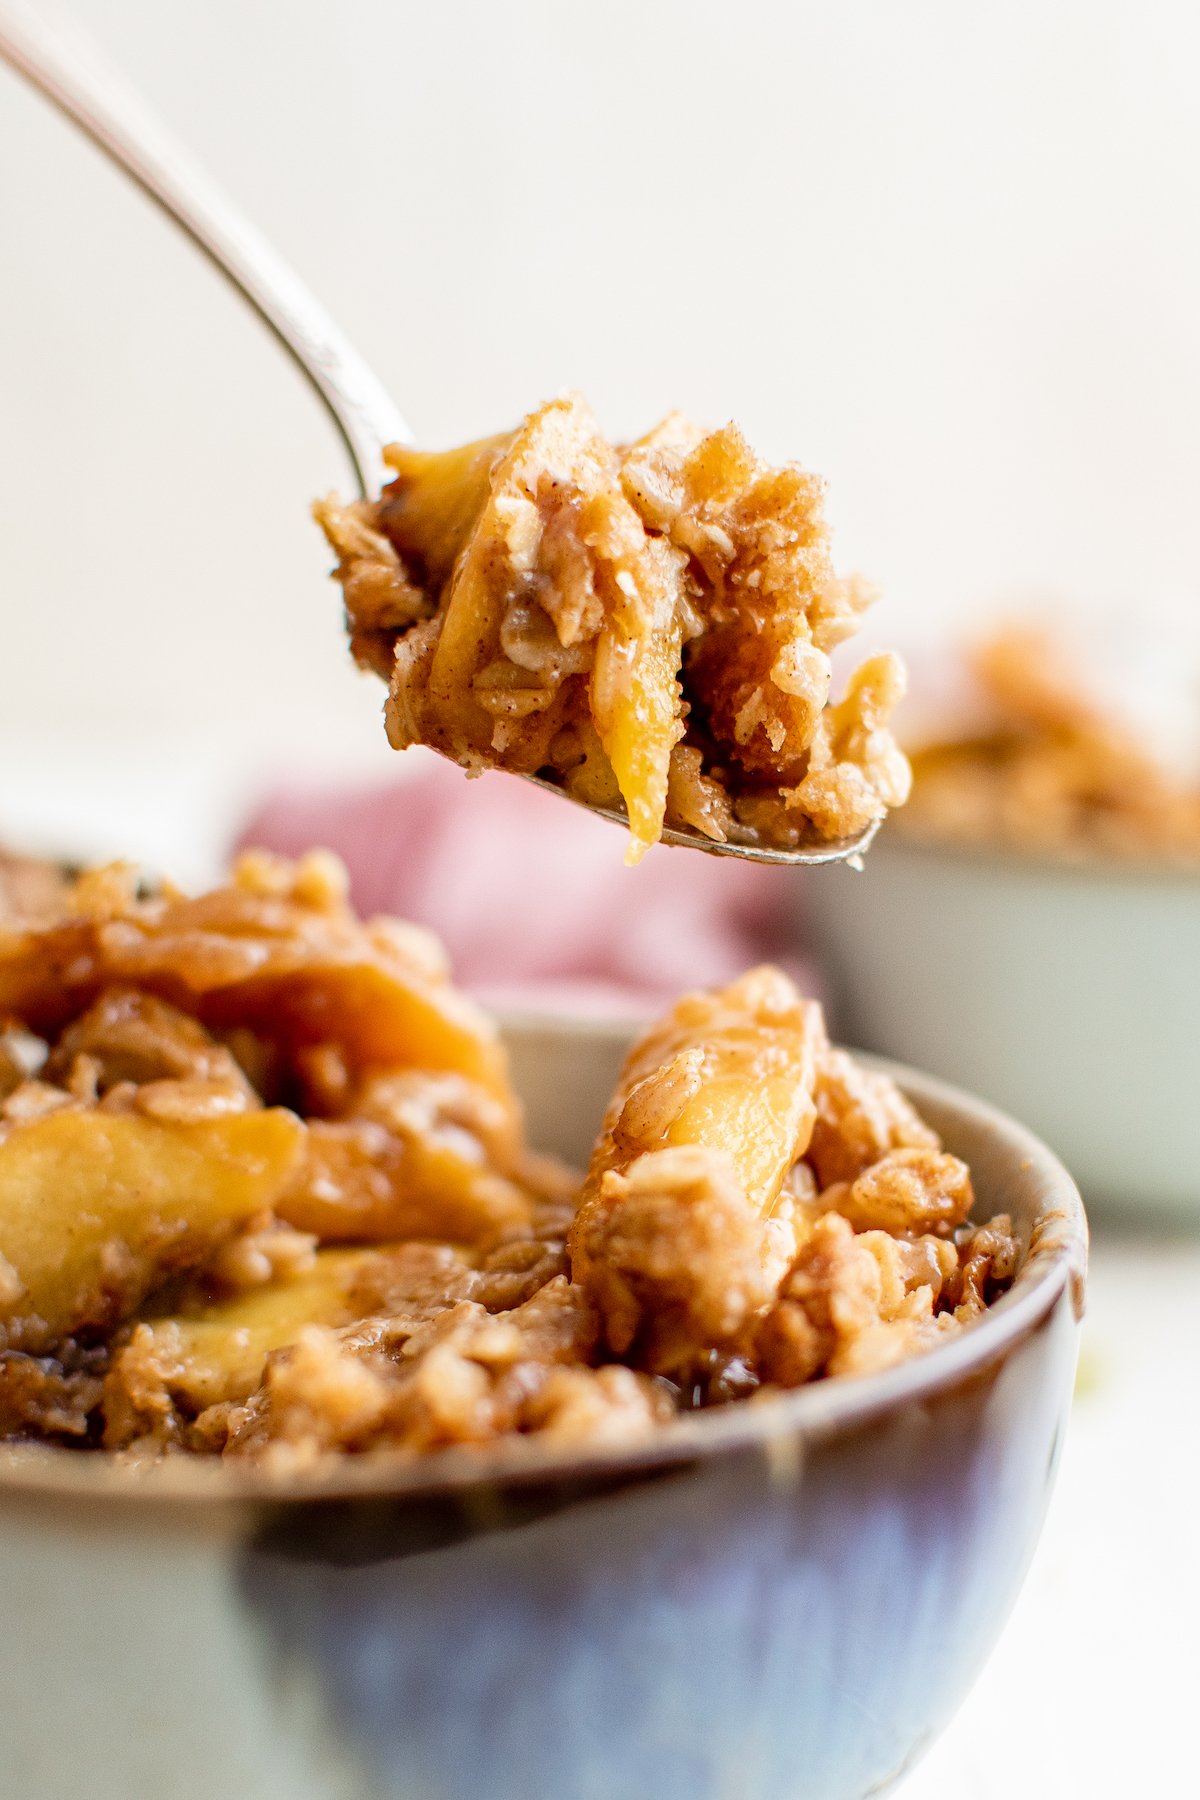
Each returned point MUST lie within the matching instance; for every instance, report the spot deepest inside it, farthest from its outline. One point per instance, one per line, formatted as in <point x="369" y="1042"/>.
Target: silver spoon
<point x="49" y="49"/>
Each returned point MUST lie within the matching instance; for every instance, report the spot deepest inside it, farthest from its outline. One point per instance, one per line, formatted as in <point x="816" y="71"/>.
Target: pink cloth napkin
<point x="531" y="895"/>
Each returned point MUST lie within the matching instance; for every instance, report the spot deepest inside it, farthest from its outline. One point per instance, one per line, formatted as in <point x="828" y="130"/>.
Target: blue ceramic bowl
<point x="781" y="1601"/>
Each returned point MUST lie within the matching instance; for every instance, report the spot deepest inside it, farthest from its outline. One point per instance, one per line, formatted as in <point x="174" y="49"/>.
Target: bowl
<point x="782" y="1600"/>
<point x="1068" y="994"/>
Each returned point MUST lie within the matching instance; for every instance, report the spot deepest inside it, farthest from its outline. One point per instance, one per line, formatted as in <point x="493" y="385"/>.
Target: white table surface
<point x="1094" y="1688"/>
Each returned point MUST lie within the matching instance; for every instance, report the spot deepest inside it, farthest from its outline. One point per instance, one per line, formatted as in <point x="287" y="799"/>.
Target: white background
<point x="947" y="254"/>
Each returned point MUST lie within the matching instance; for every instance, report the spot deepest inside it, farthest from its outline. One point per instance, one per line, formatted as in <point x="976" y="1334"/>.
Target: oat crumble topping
<point x="649" y="624"/>
<point x="265" y="1192"/>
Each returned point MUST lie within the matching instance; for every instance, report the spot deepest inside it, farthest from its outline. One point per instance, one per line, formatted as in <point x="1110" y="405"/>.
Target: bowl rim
<point x="780" y="1425"/>
<point x="1065" y="866"/>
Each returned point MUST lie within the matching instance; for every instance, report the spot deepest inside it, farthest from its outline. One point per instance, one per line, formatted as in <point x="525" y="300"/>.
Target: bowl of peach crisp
<point x="1030" y="921"/>
<point x="398" y="1403"/>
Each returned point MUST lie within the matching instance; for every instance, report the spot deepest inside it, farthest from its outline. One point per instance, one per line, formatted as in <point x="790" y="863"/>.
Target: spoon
<point x="46" y="46"/>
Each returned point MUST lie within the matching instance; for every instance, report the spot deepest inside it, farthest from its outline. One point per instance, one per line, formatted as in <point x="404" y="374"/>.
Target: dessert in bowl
<point x="547" y="1518"/>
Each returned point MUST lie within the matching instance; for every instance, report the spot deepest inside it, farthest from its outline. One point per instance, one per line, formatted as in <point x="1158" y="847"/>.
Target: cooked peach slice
<point x="97" y="1208"/>
<point x="172" y="1366"/>
<point x="730" y="1072"/>
<point x="428" y="1156"/>
<point x="635" y="694"/>
<point x="684" y="1229"/>
<point x="437" y="497"/>
<point x="278" y="952"/>
<point x="220" y="1349"/>
<point x="545" y="576"/>
<point x="221" y="1346"/>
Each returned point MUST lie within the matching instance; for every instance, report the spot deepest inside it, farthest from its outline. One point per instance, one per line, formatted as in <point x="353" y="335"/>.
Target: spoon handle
<point x="46" y="46"/>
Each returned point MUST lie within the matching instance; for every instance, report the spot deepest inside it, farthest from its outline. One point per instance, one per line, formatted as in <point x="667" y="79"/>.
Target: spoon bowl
<point x="849" y="850"/>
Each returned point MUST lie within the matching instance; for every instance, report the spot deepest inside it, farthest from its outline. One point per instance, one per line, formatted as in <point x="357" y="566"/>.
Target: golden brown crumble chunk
<point x="816" y="1237"/>
<point x="649" y="624"/>
<point x="683" y="1226"/>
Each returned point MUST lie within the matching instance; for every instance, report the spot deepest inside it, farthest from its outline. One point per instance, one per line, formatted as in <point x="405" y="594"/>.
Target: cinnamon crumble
<point x="265" y="1192"/>
<point x="650" y="625"/>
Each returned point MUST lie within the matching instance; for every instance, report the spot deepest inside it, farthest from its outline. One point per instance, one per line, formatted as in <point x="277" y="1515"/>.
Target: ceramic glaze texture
<point x="782" y="1602"/>
<point x="792" y="1626"/>
<point x="1067" y="995"/>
